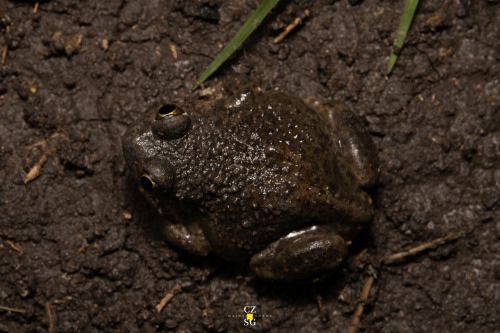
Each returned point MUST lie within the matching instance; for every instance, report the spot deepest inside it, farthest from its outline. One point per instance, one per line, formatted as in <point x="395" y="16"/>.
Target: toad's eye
<point x="171" y="122"/>
<point x="148" y="183"/>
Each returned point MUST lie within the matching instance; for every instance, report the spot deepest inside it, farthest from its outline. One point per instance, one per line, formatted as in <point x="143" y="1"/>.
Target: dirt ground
<point x="78" y="250"/>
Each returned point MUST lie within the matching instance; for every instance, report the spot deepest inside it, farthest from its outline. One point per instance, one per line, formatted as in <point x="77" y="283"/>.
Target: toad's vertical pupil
<point x="166" y="109"/>
<point x="147" y="183"/>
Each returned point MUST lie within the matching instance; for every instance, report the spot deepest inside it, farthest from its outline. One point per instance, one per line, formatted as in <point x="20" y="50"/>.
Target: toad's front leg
<point x="180" y="224"/>
<point x="187" y="236"/>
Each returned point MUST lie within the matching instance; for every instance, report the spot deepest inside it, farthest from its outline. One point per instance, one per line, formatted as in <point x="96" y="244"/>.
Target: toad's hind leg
<point x="301" y="255"/>
<point x="354" y="147"/>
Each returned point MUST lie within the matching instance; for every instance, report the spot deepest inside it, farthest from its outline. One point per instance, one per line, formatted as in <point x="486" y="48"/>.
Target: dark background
<point x="77" y="242"/>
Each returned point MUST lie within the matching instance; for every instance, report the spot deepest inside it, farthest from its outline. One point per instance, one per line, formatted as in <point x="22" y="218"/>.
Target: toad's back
<point x="262" y="169"/>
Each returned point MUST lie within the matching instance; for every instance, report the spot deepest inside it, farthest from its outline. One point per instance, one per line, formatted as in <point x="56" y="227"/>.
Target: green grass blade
<point x="246" y="30"/>
<point x="404" y="26"/>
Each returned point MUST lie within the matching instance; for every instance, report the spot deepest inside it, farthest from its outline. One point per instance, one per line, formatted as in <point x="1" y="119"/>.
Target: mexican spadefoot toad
<point x="258" y="175"/>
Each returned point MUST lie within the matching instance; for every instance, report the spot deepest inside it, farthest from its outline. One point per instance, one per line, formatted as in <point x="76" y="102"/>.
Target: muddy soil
<point x="78" y="247"/>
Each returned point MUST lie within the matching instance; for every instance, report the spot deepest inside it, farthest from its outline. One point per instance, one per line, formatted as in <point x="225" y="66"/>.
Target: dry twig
<point x="173" y="50"/>
<point x="290" y="27"/>
<point x="207" y="305"/>
<point x="4" y="54"/>
<point x="439" y="241"/>
<point x="168" y="296"/>
<point x="322" y="309"/>
<point x="50" y="315"/>
<point x="35" y="171"/>
<point x="6" y="308"/>
<point x="43" y="143"/>
<point x="356" y="318"/>
<point x="15" y="247"/>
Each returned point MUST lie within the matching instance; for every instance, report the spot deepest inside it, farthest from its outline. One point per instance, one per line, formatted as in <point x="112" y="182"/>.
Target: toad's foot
<point x="300" y="255"/>
<point x="354" y="148"/>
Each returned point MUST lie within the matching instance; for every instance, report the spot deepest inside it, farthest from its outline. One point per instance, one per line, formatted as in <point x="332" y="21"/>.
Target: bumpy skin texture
<point x="260" y="174"/>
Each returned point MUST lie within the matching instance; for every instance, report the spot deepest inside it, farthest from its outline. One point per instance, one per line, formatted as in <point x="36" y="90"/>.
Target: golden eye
<point x="168" y="111"/>
<point x="171" y="122"/>
<point x="148" y="183"/>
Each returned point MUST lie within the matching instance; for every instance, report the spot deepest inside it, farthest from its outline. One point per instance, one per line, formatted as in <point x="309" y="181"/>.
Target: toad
<point x="258" y="176"/>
